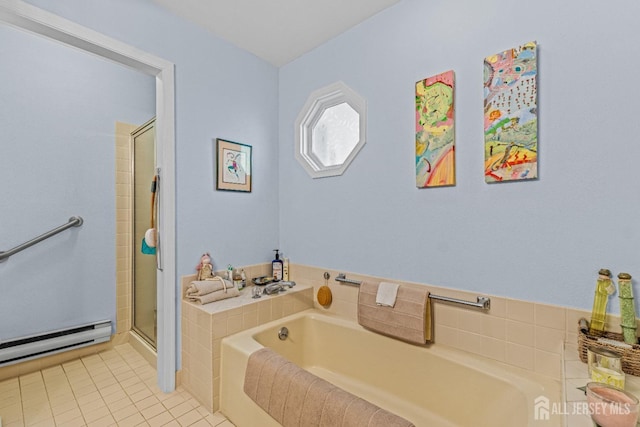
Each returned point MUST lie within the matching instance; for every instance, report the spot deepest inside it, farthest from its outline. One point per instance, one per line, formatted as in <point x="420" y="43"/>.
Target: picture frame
<point x="233" y="171"/>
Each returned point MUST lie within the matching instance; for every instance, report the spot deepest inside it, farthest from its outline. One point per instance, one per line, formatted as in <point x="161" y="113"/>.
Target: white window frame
<point x="319" y="101"/>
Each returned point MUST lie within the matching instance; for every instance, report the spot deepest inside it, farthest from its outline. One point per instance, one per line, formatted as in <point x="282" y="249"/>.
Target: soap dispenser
<point x="276" y="267"/>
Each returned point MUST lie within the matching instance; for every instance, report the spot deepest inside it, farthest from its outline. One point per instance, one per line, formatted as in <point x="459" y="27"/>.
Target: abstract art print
<point x="511" y="114"/>
<point x="233" y="166"/>
<point x="435" y="132"/>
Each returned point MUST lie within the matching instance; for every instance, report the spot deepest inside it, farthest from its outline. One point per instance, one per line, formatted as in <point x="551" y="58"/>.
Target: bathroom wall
<point x="541" y="241"/>
<point x="221" y="92"/>
<point x="57" y="160"/>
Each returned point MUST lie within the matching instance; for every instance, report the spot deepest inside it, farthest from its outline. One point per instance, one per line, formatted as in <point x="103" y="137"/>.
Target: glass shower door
<point x="144" y="265"/>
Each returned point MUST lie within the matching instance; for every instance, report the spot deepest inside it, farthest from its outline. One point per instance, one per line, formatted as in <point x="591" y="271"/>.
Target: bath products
<point x="604" y="288"/>
<point x="627" y="308"/>
<point x="229" y="273"/>
<point x="277" y="267"/>
<point x="243" y="277"/>
<point x="237" y="280"/>
<point x="285" y="269"/>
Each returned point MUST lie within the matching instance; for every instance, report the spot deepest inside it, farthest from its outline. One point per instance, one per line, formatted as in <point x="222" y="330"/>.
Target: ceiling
<point x="277" y="31"/>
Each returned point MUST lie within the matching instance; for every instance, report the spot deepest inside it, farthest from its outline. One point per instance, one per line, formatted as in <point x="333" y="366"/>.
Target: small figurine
<point x="205" y="268"/>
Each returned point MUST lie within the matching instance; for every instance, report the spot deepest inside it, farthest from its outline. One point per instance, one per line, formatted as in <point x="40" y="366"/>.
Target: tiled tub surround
<point x="520" y="333"/>
<point x="204" y="326"/>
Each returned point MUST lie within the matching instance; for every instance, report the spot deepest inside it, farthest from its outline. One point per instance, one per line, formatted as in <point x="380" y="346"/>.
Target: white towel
<point x="387" y="293"/>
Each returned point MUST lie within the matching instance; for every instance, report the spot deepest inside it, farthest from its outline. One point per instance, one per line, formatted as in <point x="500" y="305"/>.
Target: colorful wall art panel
<point x="435" y="139"/>
<point x="511" y="115"/>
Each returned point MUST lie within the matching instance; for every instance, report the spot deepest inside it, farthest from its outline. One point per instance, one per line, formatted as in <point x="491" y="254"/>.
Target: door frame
<point x="35" y="20"/>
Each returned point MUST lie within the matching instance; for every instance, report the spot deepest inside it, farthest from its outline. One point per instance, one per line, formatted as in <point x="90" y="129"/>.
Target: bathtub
<point x="430" y="386"/>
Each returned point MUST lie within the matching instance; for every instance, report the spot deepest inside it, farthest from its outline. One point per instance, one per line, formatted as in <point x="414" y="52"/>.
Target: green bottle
<point x="627" y="308"/>
<point x="604" y="288"/>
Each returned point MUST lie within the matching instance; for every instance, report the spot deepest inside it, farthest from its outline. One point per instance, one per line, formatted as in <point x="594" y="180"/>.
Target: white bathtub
<point x="430" y="386"/>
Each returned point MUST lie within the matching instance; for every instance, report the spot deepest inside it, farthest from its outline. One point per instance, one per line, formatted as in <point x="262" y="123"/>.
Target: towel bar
<point x="483" y="303"/>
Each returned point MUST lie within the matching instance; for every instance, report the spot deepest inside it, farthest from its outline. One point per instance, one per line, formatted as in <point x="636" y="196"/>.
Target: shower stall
<point x="143" y="280"/>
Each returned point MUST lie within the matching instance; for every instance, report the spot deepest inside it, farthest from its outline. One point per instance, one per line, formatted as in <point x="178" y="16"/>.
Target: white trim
<point x="25" y="16"/>
<point x="320" y="100"/>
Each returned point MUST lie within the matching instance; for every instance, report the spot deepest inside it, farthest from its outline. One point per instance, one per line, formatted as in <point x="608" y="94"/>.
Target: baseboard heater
<point x="34" y="346"/>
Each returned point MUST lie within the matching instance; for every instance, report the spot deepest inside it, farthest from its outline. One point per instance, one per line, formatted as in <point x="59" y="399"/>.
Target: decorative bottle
<point x="276" y="267"/>
<point x="604" y="288"/>
<point x="627" y="308"/>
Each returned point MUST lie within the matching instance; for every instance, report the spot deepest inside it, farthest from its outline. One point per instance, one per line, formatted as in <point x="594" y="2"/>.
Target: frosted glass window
<point x="330" y="130"/>
<point x="336" y="134"/>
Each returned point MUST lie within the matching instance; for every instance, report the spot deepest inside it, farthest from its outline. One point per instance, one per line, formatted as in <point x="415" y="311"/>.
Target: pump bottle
<point x="276" y="267"/>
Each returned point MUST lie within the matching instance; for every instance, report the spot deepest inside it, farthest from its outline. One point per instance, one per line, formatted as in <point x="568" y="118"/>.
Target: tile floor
<point x="112" y="388"/>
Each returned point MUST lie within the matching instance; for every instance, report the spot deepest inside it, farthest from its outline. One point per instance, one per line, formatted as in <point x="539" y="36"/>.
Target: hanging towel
<point x="409" y="319"/>
<point x="295" y="397"/>
<point x="387" y="294"/>
<point x="199" y="288"/>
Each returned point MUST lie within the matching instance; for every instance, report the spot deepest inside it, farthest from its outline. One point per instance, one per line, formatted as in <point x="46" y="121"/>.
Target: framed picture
<point x="233" y="166"/>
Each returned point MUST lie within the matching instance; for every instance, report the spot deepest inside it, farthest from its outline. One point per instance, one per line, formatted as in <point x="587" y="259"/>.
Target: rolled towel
<point x="214" y="296"/>
<point x="202" y="287"/>
<point x="387" y="294"/>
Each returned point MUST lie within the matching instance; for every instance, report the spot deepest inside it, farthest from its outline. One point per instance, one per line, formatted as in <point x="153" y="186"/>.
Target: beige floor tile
<point x="124" y="412"/>
<point x="147" y="402"/>
<point x="181" y="409"/>
<point x="133" y="420"/>
<point x="160" y="419"/>
<point x="173" y="401"/>
<point x="103" y="421"/>
<point x="112" y="388"/>
<point x="152" y="411"/>
<point x="63" y="417"/>
<point x="189" y="418"/>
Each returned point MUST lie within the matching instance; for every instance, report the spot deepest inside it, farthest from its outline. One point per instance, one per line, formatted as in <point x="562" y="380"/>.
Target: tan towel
<point x="214" y="296"/>
<point x="202" y="287"/>
<point x="295" y="397"/>
<point x="409" y="320"/>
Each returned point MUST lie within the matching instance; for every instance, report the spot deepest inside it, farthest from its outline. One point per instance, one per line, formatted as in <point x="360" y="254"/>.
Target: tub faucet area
<point x="275" y="288"/>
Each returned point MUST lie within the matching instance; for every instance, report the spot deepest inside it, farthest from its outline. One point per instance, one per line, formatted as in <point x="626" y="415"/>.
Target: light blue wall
<point x="541" y="240"/>
<point x="57" y="160"/>
<point x="221" y="92"/>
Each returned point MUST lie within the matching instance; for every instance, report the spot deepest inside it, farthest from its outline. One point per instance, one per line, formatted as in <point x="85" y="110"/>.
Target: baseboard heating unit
<point x="34" y="346"/>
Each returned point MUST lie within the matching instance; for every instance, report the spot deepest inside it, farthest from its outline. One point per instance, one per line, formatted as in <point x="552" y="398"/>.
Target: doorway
<point x="50" y="26"/>
<point x="143" y="262"/>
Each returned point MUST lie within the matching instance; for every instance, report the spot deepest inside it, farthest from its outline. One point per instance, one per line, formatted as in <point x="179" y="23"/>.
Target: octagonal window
<point x="330" y="130"/>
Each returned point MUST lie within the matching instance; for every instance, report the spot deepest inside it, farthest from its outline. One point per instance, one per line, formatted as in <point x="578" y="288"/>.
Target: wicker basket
<point x="630" y="356"/>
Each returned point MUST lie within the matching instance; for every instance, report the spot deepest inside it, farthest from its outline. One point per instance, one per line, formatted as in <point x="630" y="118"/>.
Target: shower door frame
<point x="135" y="244"/>
<point x="35" y="20"/>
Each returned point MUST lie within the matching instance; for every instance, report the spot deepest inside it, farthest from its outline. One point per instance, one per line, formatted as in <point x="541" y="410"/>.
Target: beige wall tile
<point x="550" y="316"/>
<point x="549" y="339"/>
<point x="520" y="355"/>
<point x="549" y="364"/>
<point x="493" y="327"/>
<point x="494" y="349"/>
<point x="445" y="335"/>
<point x="520" y="333"/>
<point x="498" y="307"/>
<point x="470" y="342"/>
<point x="521" y="311"/>
<point x="445" y="315"/>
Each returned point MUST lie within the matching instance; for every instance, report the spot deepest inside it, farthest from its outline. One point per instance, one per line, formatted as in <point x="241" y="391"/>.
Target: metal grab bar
<point x="74" y="221"/>
<point x="483" y="303"/>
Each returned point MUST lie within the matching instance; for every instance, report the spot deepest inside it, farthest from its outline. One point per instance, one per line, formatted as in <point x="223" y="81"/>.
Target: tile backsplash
<point x="520" y="333"/>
